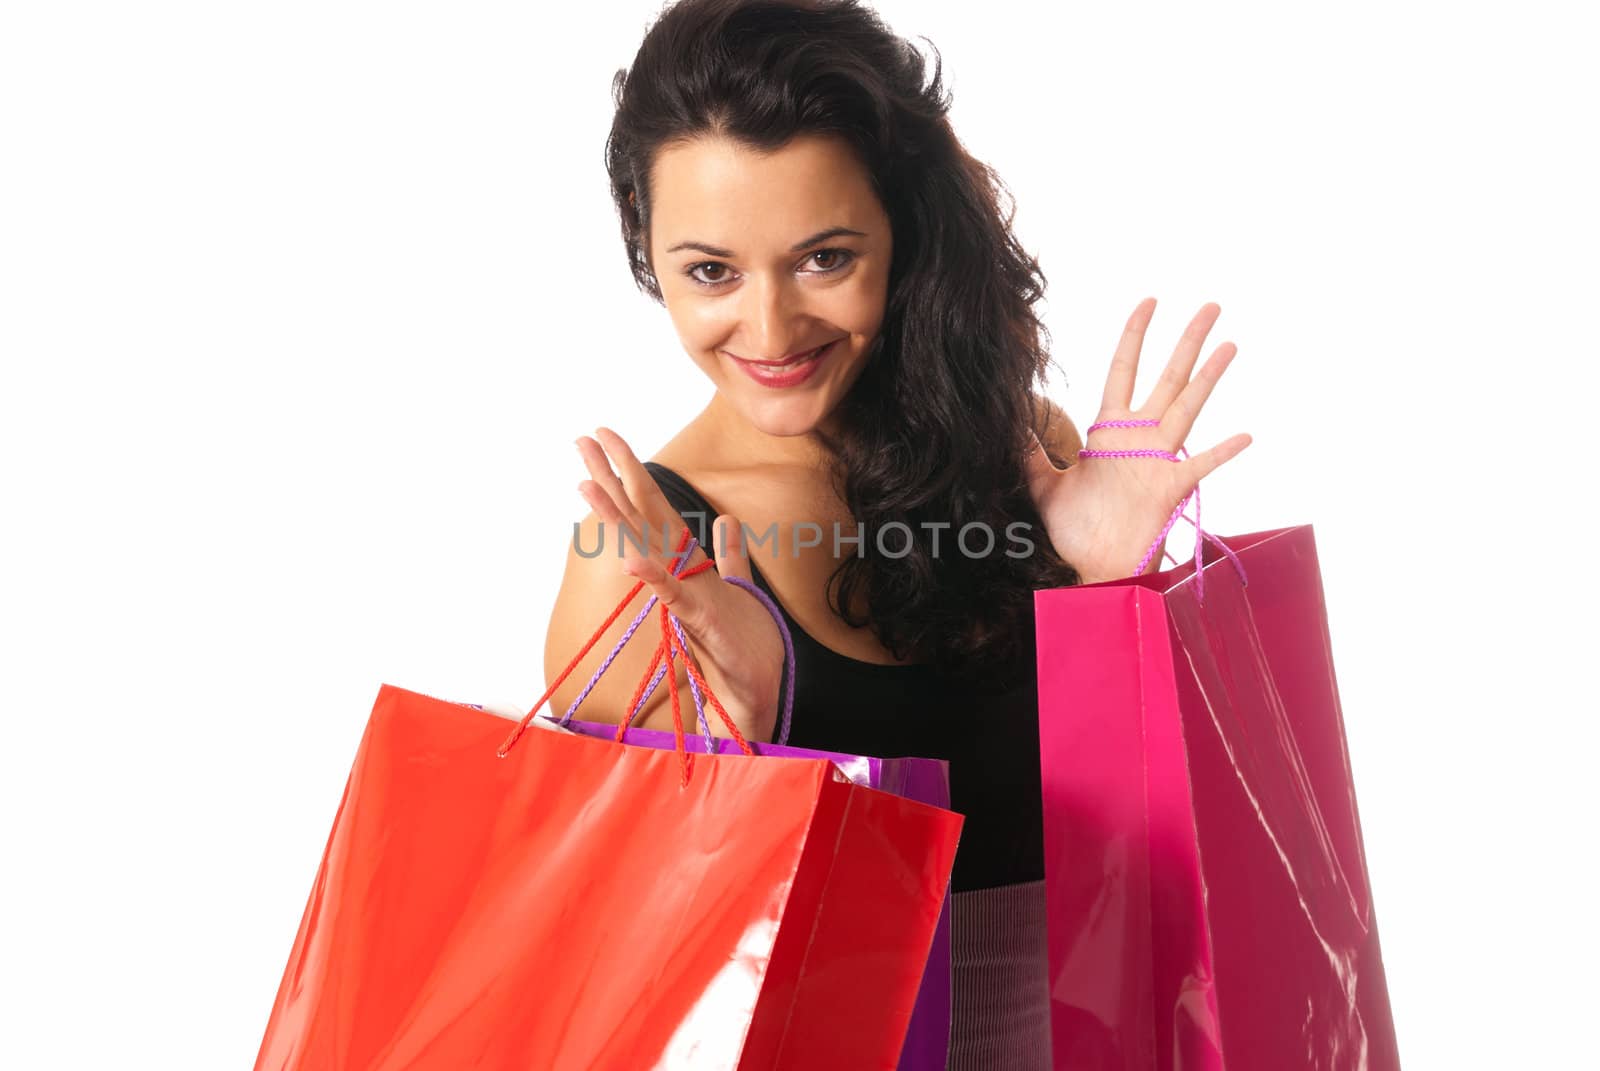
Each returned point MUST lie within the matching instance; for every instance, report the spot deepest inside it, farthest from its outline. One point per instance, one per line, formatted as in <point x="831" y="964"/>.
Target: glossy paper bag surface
<point x="575" y="907"/>
<point x="1209" y="903"/>
<point x="927" y="1044"/>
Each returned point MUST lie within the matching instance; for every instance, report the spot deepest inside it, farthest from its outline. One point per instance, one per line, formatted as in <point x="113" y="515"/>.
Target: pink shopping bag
<point x="1209" y="903"/>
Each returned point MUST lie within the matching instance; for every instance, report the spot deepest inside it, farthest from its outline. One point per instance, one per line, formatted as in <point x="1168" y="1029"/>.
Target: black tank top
<point x="989" y="734"/>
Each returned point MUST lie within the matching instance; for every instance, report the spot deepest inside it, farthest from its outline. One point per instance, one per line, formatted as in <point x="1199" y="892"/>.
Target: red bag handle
<point x="669" y="648"/>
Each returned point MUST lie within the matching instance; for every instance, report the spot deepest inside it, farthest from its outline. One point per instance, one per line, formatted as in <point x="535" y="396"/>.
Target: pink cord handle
<point x="1200" y="534"/>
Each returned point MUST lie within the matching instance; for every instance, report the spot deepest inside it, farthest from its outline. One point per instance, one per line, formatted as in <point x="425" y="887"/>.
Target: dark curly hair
<point x="935" y="429"/>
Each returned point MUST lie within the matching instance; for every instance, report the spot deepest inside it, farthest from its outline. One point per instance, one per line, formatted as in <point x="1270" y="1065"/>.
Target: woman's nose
<point x="772" y="326"/>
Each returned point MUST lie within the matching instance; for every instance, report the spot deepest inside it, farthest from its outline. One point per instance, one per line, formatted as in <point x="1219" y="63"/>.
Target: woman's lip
<point x="792" y="359"/>
<point x="787" y="374"/>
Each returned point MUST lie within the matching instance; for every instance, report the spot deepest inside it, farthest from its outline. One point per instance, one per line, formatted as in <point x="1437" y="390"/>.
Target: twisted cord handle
<point x="684" y="549"/>
<point x="1200" y="534"/>
<point x="674" y="645"/>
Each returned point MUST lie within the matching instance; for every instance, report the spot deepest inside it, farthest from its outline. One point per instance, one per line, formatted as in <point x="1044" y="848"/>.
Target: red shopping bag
<point x="927" y="1041"/>
<point x="1209" y="902"/>
<point x="555" y="901"/>
<point x="927" y="1036"/>
<point x="575" y="906"/>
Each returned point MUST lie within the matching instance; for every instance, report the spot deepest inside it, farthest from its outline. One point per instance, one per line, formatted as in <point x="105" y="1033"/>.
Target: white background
<point x="302" y="305"/>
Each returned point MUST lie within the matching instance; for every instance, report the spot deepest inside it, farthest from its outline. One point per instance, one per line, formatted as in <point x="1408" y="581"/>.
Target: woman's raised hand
<point x="1102" y="514"/>
<point x="732" y="636"/>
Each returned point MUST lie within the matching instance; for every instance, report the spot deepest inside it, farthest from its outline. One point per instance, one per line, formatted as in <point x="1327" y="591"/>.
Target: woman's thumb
<point x="1037" y="466"/>
<point x="727" y="539"/>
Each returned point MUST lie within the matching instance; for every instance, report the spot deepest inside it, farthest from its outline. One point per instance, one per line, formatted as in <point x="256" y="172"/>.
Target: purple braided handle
<point x="694" y="689"/>
<point x="788" y="652"/>
<point x="788" y="663"/>
<point x="649" y="604"/>
<point x="677" y="627"/>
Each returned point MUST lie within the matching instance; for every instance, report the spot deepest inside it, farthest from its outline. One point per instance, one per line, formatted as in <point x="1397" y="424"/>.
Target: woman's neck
<point x="741" y="444"/>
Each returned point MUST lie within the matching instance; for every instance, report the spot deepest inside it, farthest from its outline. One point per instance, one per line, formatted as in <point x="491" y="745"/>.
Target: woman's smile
<point x="789" y="372"/>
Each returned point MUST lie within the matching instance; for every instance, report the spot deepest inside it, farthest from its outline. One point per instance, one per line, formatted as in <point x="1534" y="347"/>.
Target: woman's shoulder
<point x="688" y="473"/>
<point x="694" y="455"/>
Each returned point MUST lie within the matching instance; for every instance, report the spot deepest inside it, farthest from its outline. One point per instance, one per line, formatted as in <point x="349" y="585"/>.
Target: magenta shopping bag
<point x="927" y="1043"/>
<point x="1209" y="903"/>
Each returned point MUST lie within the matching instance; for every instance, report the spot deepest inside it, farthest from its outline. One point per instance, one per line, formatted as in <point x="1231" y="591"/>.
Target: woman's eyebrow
<point x="798" y="247"/>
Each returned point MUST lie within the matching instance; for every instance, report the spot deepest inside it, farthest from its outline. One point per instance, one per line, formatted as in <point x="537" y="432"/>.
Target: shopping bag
<point x="556" y="901"/>
<point x="927" y="1038"/>
<point x="1209" y="902"/>
<point x="927" y="1042"/>
<point x="575" y="906"/>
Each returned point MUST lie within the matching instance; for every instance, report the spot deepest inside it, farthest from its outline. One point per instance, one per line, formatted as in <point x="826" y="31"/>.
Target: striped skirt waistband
<point x="1000" y="980"/>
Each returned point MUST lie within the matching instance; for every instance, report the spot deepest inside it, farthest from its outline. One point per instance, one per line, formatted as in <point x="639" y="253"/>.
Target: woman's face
<point x="762" y="259"/>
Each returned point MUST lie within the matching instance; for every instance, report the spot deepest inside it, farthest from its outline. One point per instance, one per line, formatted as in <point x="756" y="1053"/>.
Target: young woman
<point x="839" y="268"/>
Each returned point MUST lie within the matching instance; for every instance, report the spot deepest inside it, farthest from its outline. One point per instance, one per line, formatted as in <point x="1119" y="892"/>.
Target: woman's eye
<point x="711" y="273"/>
<point x="839" y="258"/>
<point x="695" y="270"/>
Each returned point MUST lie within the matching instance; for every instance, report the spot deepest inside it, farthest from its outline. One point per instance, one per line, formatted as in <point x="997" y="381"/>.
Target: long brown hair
<point x="934" y="430"/>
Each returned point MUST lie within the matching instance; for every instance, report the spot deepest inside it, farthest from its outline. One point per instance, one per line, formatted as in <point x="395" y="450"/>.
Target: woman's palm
<point x="1102" y="513"/>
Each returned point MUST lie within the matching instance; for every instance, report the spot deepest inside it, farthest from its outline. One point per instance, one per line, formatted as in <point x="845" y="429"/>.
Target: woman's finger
<point x="600" y="502"/>
<point x="677" y="595"/>
<point x="1180" y="415"/>
<point x="632" y="541"/>
<point x="595" y="460"/>
<point x="642" y="489"/>
<point x="1194" y="469"/>
<point x="728" y="542"/>
<point x="651" y="509"/>
<point x="1125" y="364"/>
<point x="1175" y="377"/>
